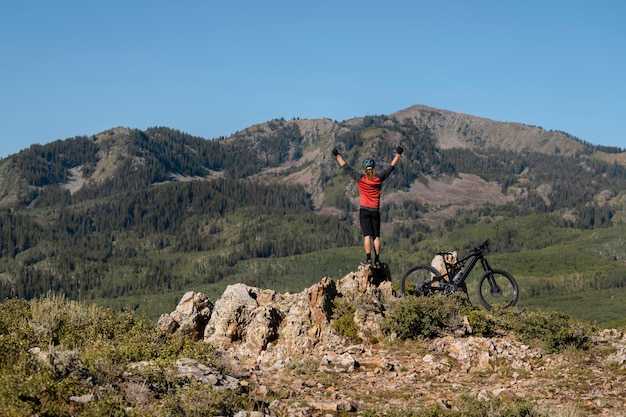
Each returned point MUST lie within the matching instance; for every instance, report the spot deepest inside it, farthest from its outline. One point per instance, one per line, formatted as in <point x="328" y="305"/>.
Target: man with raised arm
<point x="370" y="185"/>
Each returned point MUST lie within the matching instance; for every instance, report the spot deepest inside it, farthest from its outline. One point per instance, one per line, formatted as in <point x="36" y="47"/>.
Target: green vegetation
<point x="472" y="407"/>
<point x="52" y="349"/>
<point x="428" y="317"/>
<point x="343" y="315"/>
<point x="413" y="317"/>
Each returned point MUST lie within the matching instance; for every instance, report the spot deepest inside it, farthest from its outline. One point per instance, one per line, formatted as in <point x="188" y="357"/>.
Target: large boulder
<point x="190" y="316"/>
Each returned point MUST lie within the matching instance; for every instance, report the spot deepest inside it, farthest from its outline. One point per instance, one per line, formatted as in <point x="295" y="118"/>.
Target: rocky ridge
<point x="287" y="351"/>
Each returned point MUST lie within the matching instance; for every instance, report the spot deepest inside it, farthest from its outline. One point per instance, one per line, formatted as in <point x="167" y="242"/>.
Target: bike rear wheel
<point x="415" y="278"/>
<point x="497" y="288"/>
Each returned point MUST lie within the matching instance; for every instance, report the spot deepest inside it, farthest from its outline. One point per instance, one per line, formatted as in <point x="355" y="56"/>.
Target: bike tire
<point x="505" y="296"/>
<point x="409" y="285"/>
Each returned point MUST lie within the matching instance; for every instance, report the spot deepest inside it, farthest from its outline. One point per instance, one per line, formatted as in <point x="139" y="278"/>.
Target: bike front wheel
<point x="416" y="278"/>
<point x="497" y="288"/>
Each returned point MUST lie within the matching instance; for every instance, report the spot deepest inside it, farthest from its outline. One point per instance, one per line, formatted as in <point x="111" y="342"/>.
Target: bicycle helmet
<point x="369" y="163"/>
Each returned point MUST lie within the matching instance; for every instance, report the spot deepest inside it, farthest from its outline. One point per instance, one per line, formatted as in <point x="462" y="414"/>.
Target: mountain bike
<point x="495" y="286"/>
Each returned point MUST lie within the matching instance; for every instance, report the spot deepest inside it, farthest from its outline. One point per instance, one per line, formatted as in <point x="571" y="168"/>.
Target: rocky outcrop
<point x="190" y="316"/>
<point x="284" y="349"/>
<point x="257" y="326"/>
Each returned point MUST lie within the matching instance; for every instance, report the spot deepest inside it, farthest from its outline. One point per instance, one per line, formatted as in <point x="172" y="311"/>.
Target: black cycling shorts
<point x="370" y="222"/>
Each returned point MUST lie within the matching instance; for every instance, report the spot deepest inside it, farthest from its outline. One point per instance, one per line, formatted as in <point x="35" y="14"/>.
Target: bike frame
<point x="478" y="254"/>
<point x="494" y="286"/>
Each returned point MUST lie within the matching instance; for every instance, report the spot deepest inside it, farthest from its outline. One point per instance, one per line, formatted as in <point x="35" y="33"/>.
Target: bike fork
<point x="494" y="288"/>
<point x="493" y="285"/>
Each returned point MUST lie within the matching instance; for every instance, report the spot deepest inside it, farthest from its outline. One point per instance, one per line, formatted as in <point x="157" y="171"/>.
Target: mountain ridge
<point x="485" y="132"/>
<point x="450" y="129"/>
<point x="131" y="213"/>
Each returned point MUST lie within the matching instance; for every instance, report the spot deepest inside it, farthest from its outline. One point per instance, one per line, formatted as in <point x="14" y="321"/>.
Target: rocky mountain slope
<point x="288" y="350"/>
<point x="457" y="130"/>
<point x="297" y="152"/>
<point x="310" y="164"/>
<point x="448" y="129"/>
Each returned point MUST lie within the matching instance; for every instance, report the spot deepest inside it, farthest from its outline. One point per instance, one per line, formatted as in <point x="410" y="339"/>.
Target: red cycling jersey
<point x="369" y="190"/>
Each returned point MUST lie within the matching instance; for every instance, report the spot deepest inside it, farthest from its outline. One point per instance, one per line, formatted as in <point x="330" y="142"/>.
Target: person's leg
<point x="376" y="249"/>
<point x="367" y="245"/>
<point x="376" y="236"/>
<point x="367" y="230"/>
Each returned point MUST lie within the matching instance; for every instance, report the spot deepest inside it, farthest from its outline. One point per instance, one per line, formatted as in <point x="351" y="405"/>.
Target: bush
<point x="470" y="407"/>
<point x="195" y="400"/>
<point x="482" y="323"/>
<point x="413" y="317"/>
<point x="343" y="323"/>
<point x="91" y="350"/>
<point x="15" y="334"/>
<point x="554" y="329"/>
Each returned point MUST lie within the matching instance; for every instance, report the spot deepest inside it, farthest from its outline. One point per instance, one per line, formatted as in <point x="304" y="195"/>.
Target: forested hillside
<point x="133" y="218"/>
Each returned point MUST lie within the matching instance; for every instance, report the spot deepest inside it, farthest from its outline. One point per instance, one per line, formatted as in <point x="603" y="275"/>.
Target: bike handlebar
<point x="481" y="248"/>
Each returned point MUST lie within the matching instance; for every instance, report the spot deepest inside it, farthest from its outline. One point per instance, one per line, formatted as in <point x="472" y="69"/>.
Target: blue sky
<point x="208" y="68"/>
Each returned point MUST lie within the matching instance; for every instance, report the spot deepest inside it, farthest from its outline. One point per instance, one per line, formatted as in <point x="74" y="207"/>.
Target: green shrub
<point x="15" y="334"/>
<point x="469" y="407"/>
<point x="195" y="400"/>
<point x="555" y="330"/>
<point x="343" y="319"/>
<point x="413" y="317"/>
<point x="92" y="346"/>
<point x="28" y="389"/>
<point x="482" y="322"/>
